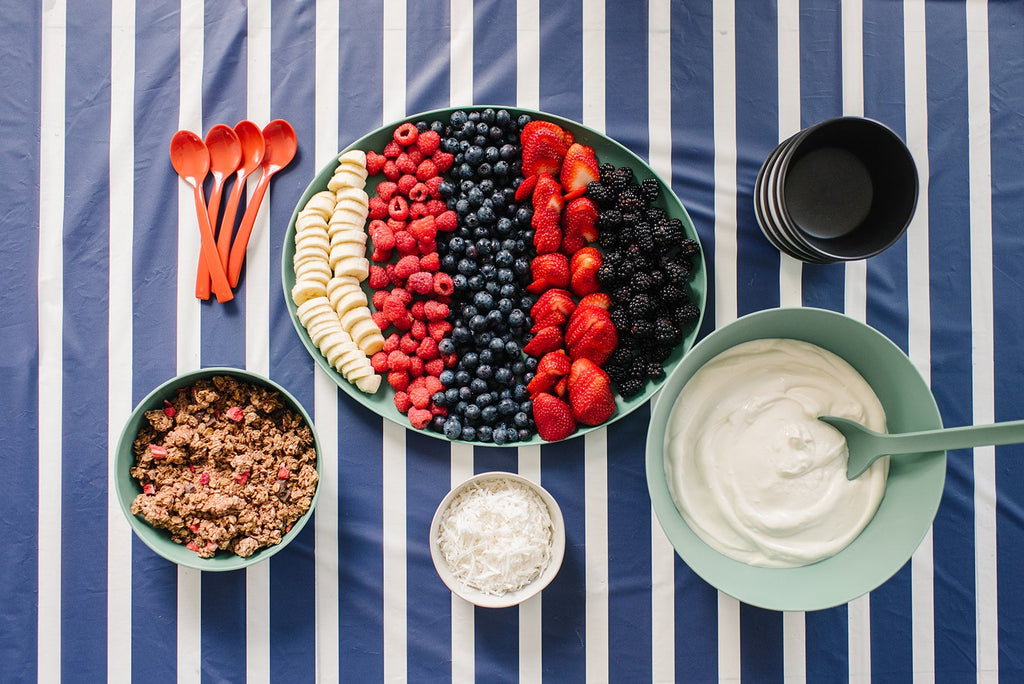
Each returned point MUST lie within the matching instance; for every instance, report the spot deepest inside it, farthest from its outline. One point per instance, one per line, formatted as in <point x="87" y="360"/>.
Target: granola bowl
<point x="218" y="469"/>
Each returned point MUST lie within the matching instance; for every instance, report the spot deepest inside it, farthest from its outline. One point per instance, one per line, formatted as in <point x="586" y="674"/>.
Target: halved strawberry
<point x="552" y="308"/>
<point x="591" y="334"/>
<point x="547" y="213"/>
<point x="549" y="270"/>
<point x="579" y="168"/>
<point x="546" y="340"/>
<point x="579" y="220"/>
<point x="583" y="267"/>
<point x="553" y="417"/>
<point x="590" y="393"/>
<point x="601" y="299"/>
<point x="552" y="367"/>
<point x="543" y="146"/>
<point x="525" y="188"/>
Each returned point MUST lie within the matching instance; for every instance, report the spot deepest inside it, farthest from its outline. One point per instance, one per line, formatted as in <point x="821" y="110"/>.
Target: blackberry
<point x="650" y="188"/>
<point x="662" y="237"/>
<point x="602" y="195"/>
<point x="655" y="215"/>
<point x="624" y="271"/>
<point x="618" y="374"/>
<point x="688" y="313"/>
<point x="606" y="275"/>
<point x="642" y="329"/>
<point x="675" y="272"/>
<point x="605" y="172"/>
<point x="666" y="332"/>
<point x="608" y="239"/>
<point x="687" y="246"/>
<point x="643" y="235"/>
<point x="609" y="220"/>
<point x="623" y="178"/>
<point x="657" y="280"/>
<point x="642" y="306"/>
<point x="622" y="294"/>
<point x="630" y="201"/>
<point x="622" y="321"/>
<point x="620" y="358"/>
<point x="631" y="387"/>
<point x="655" y="371"/>
<point x="659" y="353"/>
<point x="641" y="282"/>
<point x="672" y="295"/>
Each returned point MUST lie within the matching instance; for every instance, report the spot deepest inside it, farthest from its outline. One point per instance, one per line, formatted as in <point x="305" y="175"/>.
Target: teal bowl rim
<point x="852" y="572"/>
<point x="127" y="487"/>
<point x="381" y="402"/>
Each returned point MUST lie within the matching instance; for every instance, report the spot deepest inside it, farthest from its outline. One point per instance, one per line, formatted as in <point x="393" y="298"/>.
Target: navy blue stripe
<point x="629" y="550"/>
<point x="360" y="93"/>
<point x="626" y="75"/>
<point x="86" y="230"/>
<point x="951" y="337"/>
<point x="19" y="377"/>
<point x="427" y="56"/>
<point x="693" y="171"/>
<point x="429" y="617"/>
<point x="561" y="58"/>
<point x="564" y="619"/>
<point x="494" y="52"/>
<point x="757" y="115"/>
<point x="1006" y="66"/>
<point x="154" y="580"/>
<point x="821" y="97"/>
<point x="827" y="644"/>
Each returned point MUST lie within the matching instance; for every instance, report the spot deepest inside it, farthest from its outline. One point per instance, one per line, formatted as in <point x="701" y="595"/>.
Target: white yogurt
<point x="753" y="471"/>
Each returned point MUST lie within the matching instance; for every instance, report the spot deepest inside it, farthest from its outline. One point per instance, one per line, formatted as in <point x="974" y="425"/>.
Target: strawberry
<point x="579" y="220"/>
<point x="546" y="340"/>
<point x="601" y="299"/>
<point x="590" y="393"/>
<point x="543" y="147"/>
<point x="583" y="268"/>
<point x="525" y="188"/>
<point x="553" y="417"/>
<point x="549" y="270"/>
<point x="579" y="168"/>
<point x="547" y="212"/>
<point x="591" y="334"/>
<point x="552" y="308"/>
<point x="552" y="366"/>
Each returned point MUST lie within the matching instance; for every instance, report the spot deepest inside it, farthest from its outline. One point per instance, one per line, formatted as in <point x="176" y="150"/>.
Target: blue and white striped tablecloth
<point x="98" y="260"/>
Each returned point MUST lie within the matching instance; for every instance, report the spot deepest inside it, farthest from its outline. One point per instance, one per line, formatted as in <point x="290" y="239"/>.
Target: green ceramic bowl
<point x="607" y="150"/>
<point x="913" y="489"/>
<point x="128" y="488"/>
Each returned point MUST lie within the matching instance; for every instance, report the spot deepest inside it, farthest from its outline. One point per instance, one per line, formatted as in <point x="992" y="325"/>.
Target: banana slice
<point x="315" y="271"/>
<point x="346" y="300"/>
<point x="311" y="240"/>
<point x="347" y="234"/>
<point x="310" y="307"/>
<point x="353" y="316"/>
<point x="311" y="220"/>
<point x="353" y="156"/>
<point x="305" y="290"/>
<point x="366" y="334"/>
<point x="347" y="215"/>
<point x="370" y="384"/>
<point x="351" y="194"/>
<point x="321" y="203"/>
<point x="341" y="283"/>
<point x="347" y="176"/>
<point x="347" y="259"/>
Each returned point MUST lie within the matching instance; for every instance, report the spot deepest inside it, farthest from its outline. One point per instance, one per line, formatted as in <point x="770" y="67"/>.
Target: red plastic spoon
<point x="191" y="160"/>
<point x="225" y="156"/>
<point x="280" y="143"/>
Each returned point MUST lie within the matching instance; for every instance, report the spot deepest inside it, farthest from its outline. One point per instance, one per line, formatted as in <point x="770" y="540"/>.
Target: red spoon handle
<point x="221" y="288"/>
<point x="241" y="241"/>
<point x="202" y="272"/>
<point x="227" y="225"/>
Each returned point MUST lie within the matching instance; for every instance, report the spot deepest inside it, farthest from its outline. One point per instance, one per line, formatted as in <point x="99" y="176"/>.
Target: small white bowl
<point x="512" y="598"/>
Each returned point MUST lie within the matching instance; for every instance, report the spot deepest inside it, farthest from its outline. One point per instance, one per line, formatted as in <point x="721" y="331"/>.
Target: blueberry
<point x="436" y="424"/>
<point x="493" y="288"/>
<point x="472" y="413"/>
<point x="451" y="145"/>
<point x="458" y="118"/>
<point x="518" y="368"/>
<point x="489" y="414"/>
<point x="484" y="338"/>
<point x="483" y="301"/>
<point x="524" y="434"/>
<point x="486" y="355"/>
<point x="471" y="220"/>
<point x="523" y="216"/>
<point x="478" y="385"/>
<point x="461" y="334"/>
<point x="500" y="436"/>
<point x="465" y="171"/>
<point x="520" y="393"/>
<point x="512" y="348"/>
<point x="507" y="407"/>
<point x="488" y="115"/>
<point x="471" y="253"/>
<point x="484" y="371"/>
<point x="437" y="126"/>
<point x="468" y="433"/>
<point x="527" y="302"/>
<point x="474" y="155"/>
<point x="477" y="283"/>
<point x="446" y="346"/>
<point x="505" y="306"/>
<point x="452" y="427"/>
<point x="439" y="398"/>
<point x="486" y="216"/>
<point x="488" y="271"/>
<point x="483" y="248"/>
<point x="506" y="277"/>
<point x="477" y="323"/>
<point x="521" y="266"/>
<point x="526" y="406"/>
<point x="484" y="169"/>
<point x="451" y="395"/>
<point x="469" y="361"/>
<point x="467" y="266"/>
<point x="507" y="290"/>
<point x="446" y="189"/>
<point x="521" y="419"/>
<point x="531" y="363"/>
<point x="516" y="318"/>
<point x="495" y="319"/>
<point x="504" y="376"/>
<point x="499" y="202"/>
<point x="465" y="394"/>
<point x="491" y="154"/>
<point x="521" y="121"/>
<point x="484" y="399"/>
<point x="462" y="378"/>
<point x="483" y="433"/>
<point x="448" y="261"/>
<point x="500" y="169"/>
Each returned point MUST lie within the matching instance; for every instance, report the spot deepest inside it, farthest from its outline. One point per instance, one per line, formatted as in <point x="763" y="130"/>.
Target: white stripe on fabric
<point x="394" y="494"/>
<point x="595" y="487"/>
<point x="257" y="324"/>
<point x="790" y="269"/>
<point x="462" y="648"/>
<point x="593" y="84"/>
<point x="189" y="639"/>
<point x="325" y="392"/>
<point x="530" y="612"/>
<point x="461" y="61"/>
<point x="528" y="53"/>
<point x="724" y="59"/>
<point x="659" y="126"/>
<point x="855" y="305"/>
<point x="794" y="648"/>
<point x="119" y="328"/>
<point x="983" y="380"/>
<point x="919" y="313"/>
<point x="50" y="323"/>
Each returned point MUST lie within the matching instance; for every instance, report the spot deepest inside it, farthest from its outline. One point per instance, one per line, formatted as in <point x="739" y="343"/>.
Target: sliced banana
<point x="347" y="234"/>
<point x="347" y="176"/>
<point x="305" y="290"/>
<point x="352" y="194"/>
<point x="321" y="203"/>
<point x="353" y="156"/>
<point x="346" y="300"/>
<point x="355" y="266"/>
<point x="370" y="384"/>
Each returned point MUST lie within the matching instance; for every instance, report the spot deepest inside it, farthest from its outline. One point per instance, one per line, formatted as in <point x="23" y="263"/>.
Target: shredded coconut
<point x="496" y="536"/>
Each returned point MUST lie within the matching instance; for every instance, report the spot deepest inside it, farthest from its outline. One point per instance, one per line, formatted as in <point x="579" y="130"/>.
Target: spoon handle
<point x="221" y="288"/>
<point x="212" y="209"/>
<point x="1009" y="432"/>
<point x="238" y="247"/>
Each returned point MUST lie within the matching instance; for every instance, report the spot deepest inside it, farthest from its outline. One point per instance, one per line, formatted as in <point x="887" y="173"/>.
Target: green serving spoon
<point x="867" y="446"/>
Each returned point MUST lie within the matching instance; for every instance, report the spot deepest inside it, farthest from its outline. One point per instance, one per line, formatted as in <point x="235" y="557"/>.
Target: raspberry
<point x="380" y="255"/>
<point x="450" y="360"/>
<point x="415" y="156"/>
<point x="383" y="238"/>
<point x="399" y="380"/>
<point x="427" y="349"/>
<point x="374" y="162"/>
<point x="406" y="266"/>
<point x="434" y="367"/>
<point x="415" y="366"/>
<point x="438" y="410"/>
<point x="430" y="262"/>
<point x="420" y="282"/>
<point x="403" y="324"/>
<point x="386" y="189"/>
<point x="436" y="207"/>
<point x="405" y="163"/>
<point x="402" y="294"/>
<point x="447" y="221"/>
<point x="402" y="401"/>
<point x="405" y="243"/>
<point x="390" y="170"/>
<point x="419" y="192"/>
<point x="420" y="397"/>
<point x="391" y="343"/>
<point x="377" y="208"/>
<point x="426" y="169"/>
<point x="442" y="160"/>
<point x="432" y="384"/>
<point x="427" y="245"/>
<point x="419" y="418"/>
<point x="392" y="149"/>
<point x="379" y="362"/>
<point x="406" y="183"/>
<point x="378" y="279"/>
<point x="438" y="330"/>
<point x="408" y="344"/>
<point x="406" y="134"/>
<point x="398" y="361"/>
<point x="428" y="142"/>
<point x="395" y="310"/>
<point x="390" y="270"/>
<point x="396" y="224"/>
<point x="379" y="296"/>
<point x="381" y="319"/>
<point x="398" y="208"/>
<point x="418" y="330"/>
<point x="424" y="228"/>
<point x="435" y="311"/>
<point x="434" y="186"/>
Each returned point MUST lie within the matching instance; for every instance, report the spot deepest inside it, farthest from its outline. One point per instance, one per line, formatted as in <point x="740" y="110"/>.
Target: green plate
<point x="912" y="493"/>
<point x="607" y="150"/>
<point x="128" y="488"/>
